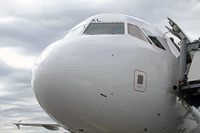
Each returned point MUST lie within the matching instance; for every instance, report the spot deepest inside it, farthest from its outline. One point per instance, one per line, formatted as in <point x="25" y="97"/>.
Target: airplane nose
<point x="72" y="79"/>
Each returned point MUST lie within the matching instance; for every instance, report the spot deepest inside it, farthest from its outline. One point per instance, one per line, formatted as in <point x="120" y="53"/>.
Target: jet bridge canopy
<point x="189" y="72"/>
<point x="189" y="66"/>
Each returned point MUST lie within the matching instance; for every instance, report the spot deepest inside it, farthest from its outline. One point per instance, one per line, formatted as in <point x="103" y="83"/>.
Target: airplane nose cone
<point x="72" y="79"/>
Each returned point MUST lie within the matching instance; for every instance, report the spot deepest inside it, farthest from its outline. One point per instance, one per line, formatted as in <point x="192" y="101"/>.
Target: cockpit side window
<point x="104" y="28"/>
<point x="135" y="31"/>
<point x="75" y="32"/>
<point x="154" y="39"/>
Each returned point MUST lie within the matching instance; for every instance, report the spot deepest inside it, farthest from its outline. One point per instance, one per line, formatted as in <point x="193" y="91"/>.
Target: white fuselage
<point x="112" y="83"/>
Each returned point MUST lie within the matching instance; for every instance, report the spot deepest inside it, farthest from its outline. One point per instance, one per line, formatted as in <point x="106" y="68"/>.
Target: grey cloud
<point x="28" y="34"/>
<point x="14" y="75"/>
<point x="4" y="69"/>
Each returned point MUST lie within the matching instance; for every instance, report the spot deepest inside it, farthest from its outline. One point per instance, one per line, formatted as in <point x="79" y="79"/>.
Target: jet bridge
<point x="189" y="72"/>
<point x="189" y="66"/>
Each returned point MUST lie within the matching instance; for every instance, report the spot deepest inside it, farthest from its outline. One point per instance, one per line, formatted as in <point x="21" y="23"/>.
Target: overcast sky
<point x="28" y="26"/>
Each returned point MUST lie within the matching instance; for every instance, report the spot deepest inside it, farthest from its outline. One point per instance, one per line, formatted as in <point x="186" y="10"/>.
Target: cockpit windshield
<point x="104" y="28"/>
